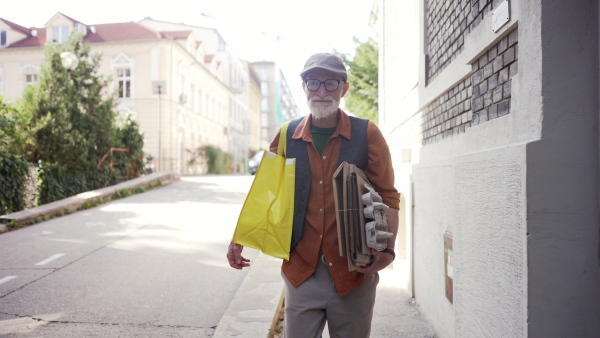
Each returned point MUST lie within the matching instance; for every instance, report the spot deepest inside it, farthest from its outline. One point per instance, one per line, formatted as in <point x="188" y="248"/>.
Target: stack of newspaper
<point x="360" y="216"/>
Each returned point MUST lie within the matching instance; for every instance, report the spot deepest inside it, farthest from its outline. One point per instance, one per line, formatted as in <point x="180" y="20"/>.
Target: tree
<point x="72" y="125"/>
<point x="14" y="127"/>
<point x="129" y="137"/>
<point x="363" y="76"/>
<point x="72" y="114"/>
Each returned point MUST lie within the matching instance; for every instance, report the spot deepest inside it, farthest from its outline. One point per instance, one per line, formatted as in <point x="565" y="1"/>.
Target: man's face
<point x="321" y="102"/>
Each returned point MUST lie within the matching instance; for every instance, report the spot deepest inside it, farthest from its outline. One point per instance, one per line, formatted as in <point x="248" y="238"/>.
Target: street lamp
<point x="159" y="87"/>
<point x="69" y="62"/>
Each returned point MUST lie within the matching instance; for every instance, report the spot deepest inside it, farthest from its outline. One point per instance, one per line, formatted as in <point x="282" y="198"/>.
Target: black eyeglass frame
<point x="323" y="83"/>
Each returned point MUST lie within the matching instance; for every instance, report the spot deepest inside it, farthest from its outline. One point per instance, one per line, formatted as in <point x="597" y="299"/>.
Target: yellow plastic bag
<point x="266" y="219"/>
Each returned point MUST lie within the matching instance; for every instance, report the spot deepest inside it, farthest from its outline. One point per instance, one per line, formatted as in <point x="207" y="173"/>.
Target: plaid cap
<point x="325" y="61"/>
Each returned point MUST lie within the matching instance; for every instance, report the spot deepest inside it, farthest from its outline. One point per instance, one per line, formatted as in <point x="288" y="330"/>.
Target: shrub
<point x="13" y="170"/>
<point x="57" y="183"/>
<point x="219" y="162"/>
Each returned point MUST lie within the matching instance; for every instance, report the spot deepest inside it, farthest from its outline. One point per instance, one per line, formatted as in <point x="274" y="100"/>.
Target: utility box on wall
<point x="449" y="266"/>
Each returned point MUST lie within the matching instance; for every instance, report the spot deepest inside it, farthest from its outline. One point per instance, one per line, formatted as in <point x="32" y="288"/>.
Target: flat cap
<point x="325" y="61"/>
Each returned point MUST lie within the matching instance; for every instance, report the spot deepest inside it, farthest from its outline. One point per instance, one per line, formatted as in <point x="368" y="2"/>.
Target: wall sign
<point x="449" y="266"/>
<point x="500" y="15"/>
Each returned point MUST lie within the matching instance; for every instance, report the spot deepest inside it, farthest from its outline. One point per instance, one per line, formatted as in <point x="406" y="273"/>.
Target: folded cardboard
<point x="358" y="232"/>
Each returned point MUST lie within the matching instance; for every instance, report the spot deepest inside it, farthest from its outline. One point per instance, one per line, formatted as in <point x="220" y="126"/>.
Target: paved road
<point x="150" y="265"/>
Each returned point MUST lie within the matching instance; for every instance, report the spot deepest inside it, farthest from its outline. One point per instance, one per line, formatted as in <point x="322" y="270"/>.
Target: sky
<point x="285" y="31"/>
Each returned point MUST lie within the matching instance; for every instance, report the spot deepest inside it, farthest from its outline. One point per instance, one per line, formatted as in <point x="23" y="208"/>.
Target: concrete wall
<point x="562" y="177"/>
<point x="518" y="193"/>
<point x="479" y="198"/>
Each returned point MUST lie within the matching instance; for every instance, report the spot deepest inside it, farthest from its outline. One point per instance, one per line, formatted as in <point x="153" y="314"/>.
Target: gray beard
<point x="322" y="112"/>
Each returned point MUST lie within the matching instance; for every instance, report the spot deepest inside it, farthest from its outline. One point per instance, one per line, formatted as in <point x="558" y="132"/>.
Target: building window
<point x="30" y="79"/>
<point x="264" y="88"/>
<point x="192" y="98"/>
<point x="3" y="41"/>
<point x="124" y="80"/>
<point x="199" y="102"/>
<point x="60" y="34"/>
<point x="264" y="104"/>
<point x="29" y="73"/>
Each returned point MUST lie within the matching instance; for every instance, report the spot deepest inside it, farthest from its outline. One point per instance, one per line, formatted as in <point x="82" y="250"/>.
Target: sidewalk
<point x="252" y="311"/>
<point x="396" y="314"/>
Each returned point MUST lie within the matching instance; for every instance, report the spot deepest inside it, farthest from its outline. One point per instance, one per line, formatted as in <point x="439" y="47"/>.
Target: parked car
<point x="254" y="161"/>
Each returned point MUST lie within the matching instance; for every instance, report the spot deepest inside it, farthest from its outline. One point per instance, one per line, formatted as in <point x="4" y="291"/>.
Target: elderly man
<point x="318" y="286"/>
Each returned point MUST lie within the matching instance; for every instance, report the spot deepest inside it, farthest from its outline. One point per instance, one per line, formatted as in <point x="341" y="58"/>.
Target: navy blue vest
<point x="354" y="151"/>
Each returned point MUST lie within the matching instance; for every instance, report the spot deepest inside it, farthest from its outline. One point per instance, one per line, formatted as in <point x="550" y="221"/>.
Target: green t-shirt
<point x="321" y="136"/>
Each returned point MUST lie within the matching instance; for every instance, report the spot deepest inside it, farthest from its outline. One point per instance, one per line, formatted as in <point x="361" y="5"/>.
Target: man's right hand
<point x="234" y="256"/>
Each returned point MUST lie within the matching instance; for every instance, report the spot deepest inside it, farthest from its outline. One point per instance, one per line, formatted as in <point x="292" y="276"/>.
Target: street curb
<point x="73" y="203"/>
<point x="253" y="309"/>
<point x="276" y="315"/>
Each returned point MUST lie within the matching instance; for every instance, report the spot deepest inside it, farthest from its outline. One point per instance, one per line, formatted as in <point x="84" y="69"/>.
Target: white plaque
<point x="500" y="16"/>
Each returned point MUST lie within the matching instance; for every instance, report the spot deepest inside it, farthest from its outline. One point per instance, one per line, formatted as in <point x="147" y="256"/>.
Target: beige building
<point x="257" y="142"/>
<point x="277" y="103"/>
<point x="231" y="72"/>
<point x="205" y="95"/>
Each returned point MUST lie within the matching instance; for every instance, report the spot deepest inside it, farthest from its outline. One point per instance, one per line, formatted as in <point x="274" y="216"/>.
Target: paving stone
<point x="493" y="111"/>
<point x="483" y="116"/>
<point x="513" y="37"/>
<point x="493" y="82"/>
<point x="507" y="89"/>
<point x="488" y="70"/>
<point x="509" y="55"/>
<point x="487" y="99"/>
<point x="477" y="77"/>
<point x="477" y="104"/>
<point x="503" y="76"/>
<point x="503" y="108"/>
<point x="514" y="69"/>
<point x="483" y="87"/>
<point x="498" y="63"/>
<point x="492" y="53"/>
<point x="475" y="120"/>
<point x="497" y="95"/>
<point x="503" y="45"/>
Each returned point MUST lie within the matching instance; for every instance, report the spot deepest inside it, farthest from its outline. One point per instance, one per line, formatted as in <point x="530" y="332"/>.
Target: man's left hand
<point x="380" y="261"/>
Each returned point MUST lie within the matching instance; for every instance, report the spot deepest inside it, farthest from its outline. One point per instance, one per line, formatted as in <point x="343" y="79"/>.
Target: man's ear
<point x="345" y="88"/>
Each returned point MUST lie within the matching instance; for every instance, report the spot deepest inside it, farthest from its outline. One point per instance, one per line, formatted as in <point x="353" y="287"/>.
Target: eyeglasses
<point x="331" y="85"/>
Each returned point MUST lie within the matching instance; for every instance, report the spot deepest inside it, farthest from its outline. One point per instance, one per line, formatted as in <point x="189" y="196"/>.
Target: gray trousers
<point x="316" y="301"/>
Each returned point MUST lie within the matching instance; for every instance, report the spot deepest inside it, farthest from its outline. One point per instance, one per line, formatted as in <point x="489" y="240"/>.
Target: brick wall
<point x="447" y="24"/>
<point x="449" y="114"/>
<point x="483" y="96"/>
<point x="491" y="79"/>
<point x="481" y="9"/>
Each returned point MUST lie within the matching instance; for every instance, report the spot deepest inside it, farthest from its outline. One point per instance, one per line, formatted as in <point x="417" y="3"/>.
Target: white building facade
<point x="491" y="111"/>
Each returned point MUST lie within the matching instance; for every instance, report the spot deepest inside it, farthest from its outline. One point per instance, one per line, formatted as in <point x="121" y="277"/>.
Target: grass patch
<point x="91" y="203"/>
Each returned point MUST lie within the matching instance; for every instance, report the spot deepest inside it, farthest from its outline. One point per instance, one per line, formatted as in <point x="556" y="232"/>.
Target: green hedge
<point x="219" y="162"/>
<point x="56" y="183"/>
<point x="13" y="172"/>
